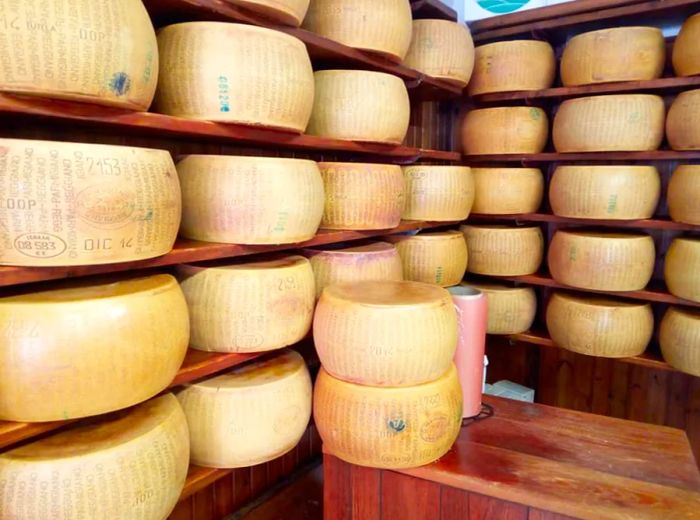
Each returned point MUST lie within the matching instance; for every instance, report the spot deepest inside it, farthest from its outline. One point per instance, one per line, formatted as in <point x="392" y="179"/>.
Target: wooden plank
<point x="337" y="496"/>
<point x="619" y="392"/>
<point x="203" y="505"/>
<point x="583" y="367"/>
<point x="546" y="217"/>
<point x="402" y="494"/>
<point x="242" y="490"/>
<point x="182" y="511"/>
<point x="223" y="496"/>
<point x="539" y="514"/>
<point x="366" y="490"/>
<point x="481" y="506"/>
<point x="258" y="479"/>
<point x="602" y="379"/>
<point x="454" y="503"/>
<point x="199" y="478"/>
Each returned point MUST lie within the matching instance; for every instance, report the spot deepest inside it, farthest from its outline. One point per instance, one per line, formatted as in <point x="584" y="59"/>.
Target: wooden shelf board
<point x="545" y="217"/>
<point x="656" y="155"/>
<point x="199" y="477"/>
<point x="432" y="9"/>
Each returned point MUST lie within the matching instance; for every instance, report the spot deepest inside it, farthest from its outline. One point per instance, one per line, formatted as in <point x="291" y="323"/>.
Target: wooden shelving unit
<point x="663" y="224"/>
<point x="551" y="157"/>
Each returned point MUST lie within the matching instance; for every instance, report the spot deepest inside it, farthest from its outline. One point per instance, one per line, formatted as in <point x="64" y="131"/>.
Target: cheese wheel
<point x="85" y="204"/>
<point x="382" y="27"/>
<point x="507" y="191"/>
<point x="684" y="193"/>
<point x="617" y="54"/>
<point x="251" y="306"/>
<point x="438" y="193"/>
<point x="375" y="261"/>
<point x="95" y="51"/>
<point x="503" y="251"/>
<point x="442" y="49"/>
<point x="234" y="73"/>
<point x="504" y="130"/>
<point x="679" y="337"/>
<point x="249" y="415"/>
<point x="613" y="123"/>
<point x="682" y="268"/>
<point x="686" y="53"/>
<point x="388" y="428"/>
<point x="361" y="196"/>
<point x="250" y="200"/>
<point x="438" y="257"/>
<point x="683" y="123"/>
<point x="127" y="465"/>
<point x="511" y="310"/>
<point x="512" y="66"/>
<point x="288" y="12"/>
<point x="360" y="105"/>
<point x="385" y="333"/>
<point x="90" y="347"/>
<point x="605" y="192"/>
<point x="603" y="261"/>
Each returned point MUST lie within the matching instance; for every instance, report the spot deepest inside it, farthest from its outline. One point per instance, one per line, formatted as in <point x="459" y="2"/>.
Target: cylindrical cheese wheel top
<point x="441" y="49"/>
<point x="507" y="191"/>
<point x="85" y="204"/>
<point x="438" y="257"/>
<point x="614" y="123"/>
<point x="686" y="52"/>
<point x="388" y="427"/>
<point x="90" y="347"/>
<point x="234" y="73"/>
<point x="679" y="337"/>
<point x="684" y="194"/>
<point x="438" y="193"/>
<point x="360" y="105"/>
<point x="511" y="310"/>
<point x="249" y="307"/>
<point x="288" y="12"/>
<point x="127" y="465"/>
<point x="361" y="195"/>
<point x="511" y="66"/>
<point x="385" y="333"/>
<point x="603" y="261"/>
<point x="605" y="192"/>
<point x="503" y="251"/>
<point x="505" y="130"/>
<point x="683" y="123"/>
<point x="96" y="51"/>
<point x="249" y="415"/>
<point x="617" y="54"/>
<point x="250" y="200"/>
<point x="682" y="268"/>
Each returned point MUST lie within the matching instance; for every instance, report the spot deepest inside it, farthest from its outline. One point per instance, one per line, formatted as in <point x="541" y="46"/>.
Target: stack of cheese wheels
<point x="438" y="257"/>
<point x="288" y="12"/>
<point x="95" y="51"/>
<point x="679" y="337"/>
<point x="441" y="49"/>
<point x="603" y="261"/>
<point x="367" y="262"/>
<point x="599" y="326"/>
<point x="617" y="54"/>
<point x="92" y="347"/>
<point x="234" y="73"/>
<point x="85" y="204"/>
<point x="512" y="66"/>
<point x="683" y="123"/>
<point x="249" y="415"/>
<point x="507" y="191"/>
<point x="682" y="268"/>
<point x="360" y="105"/>
<point x="438" y="193"/>
<point x="511" y="310"/>
<point x="249" y="307"/>
<point x="250" y="200"/>
<point x="503" y="251"/>
<point x="361" y="195"/>
<point x="605" y="192"/>
<point x="686" y="53"/>
<point x="505" y="130"/>
<point x="684" y="193"/>
<point x="615" y="123"/>
<point x="380" y="27"/>
<point x="129" y="465"/>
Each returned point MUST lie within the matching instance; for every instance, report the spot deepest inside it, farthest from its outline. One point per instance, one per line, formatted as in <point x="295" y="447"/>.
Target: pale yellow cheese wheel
<point x="360" y="105"/>
<point x="234" y="73"/>
<point x="382" y="27"/>
<point x="598" y="326"/>
<point x="617" y="54"/>
<point x="248" y="306"/>
<point x="85" y="204"/>
<point x="375" y="261"/>
<point x="683" y="122"/>
<point x="679" y="337"/>
<point x="682" y="268"/>
<point x="127" y="465"/>
<point x="250" y="200"/>
<point x="288" y="12"/>
<point x="504" y="130"/>
<point x="507" y="191"/>
<point x="438" y="257"/>
<point x="603" y="261"/>
<point x="511" y="310"/>
<point x="385" y="333"/>
<point x="249" y="415"/>
<point x="605" y="192"/>
<point x="388" y="427"/>
<point x="361" y="195"/>
<point x="684" y="194"/>
<point x="438" y="193"/>
<point x="686" y="52"/>
<point x="512" y="66"/>
<point x="503" y="251"/>
<point x="612" y="123"/>
<point x="89" y="347"/>
<point x="441" y="49"/>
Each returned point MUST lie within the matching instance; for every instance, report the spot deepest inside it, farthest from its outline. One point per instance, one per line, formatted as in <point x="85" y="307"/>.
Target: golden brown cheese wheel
<point x="507" y="191"/>
<point x="438" y="193"/>
<point x="613" y="123"/>
<point x="682" y="268"/>
<point x="683" y="122"/>
<point x="686" y="52"/>
<point x="234" y="73"/>
<point x="502" y="250"/>
<point x="684" y="194"/>
<point x="597" y="326"/>
<point x="288" y="12"/>
<point x="511" y="310"/>
<point x="679" y="337"/>
<point x="504" y="130"/>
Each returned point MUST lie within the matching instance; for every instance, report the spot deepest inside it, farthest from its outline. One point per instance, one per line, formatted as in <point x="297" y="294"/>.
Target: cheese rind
<point x="684" y="193"/>
<point x="682" y="268"/>
<point x="437" y="193"/>
<point x="504" y="130"/>
<point x="511" y="310"/>
<point x="686" y="53"/>
<point x="288" y="12"/>
<point x="682" y="124"/>
<point x="507" y="191"/>
<point x="679" y="337"/>
<point x="502" y="250"/>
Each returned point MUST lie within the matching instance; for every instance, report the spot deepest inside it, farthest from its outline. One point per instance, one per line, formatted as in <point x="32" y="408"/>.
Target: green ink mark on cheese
<point x="398" y="425"/>
<point x="535" y="114"/>
<point x="572" y="254"/>
<point x="612" y="203"/>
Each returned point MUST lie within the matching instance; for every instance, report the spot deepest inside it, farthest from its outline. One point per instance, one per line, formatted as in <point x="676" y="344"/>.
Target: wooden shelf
<point x="434" y="9"/>
<point x="199" y="477"/>
<point x="545" y="217"/>
<point x="656" y="155"/>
